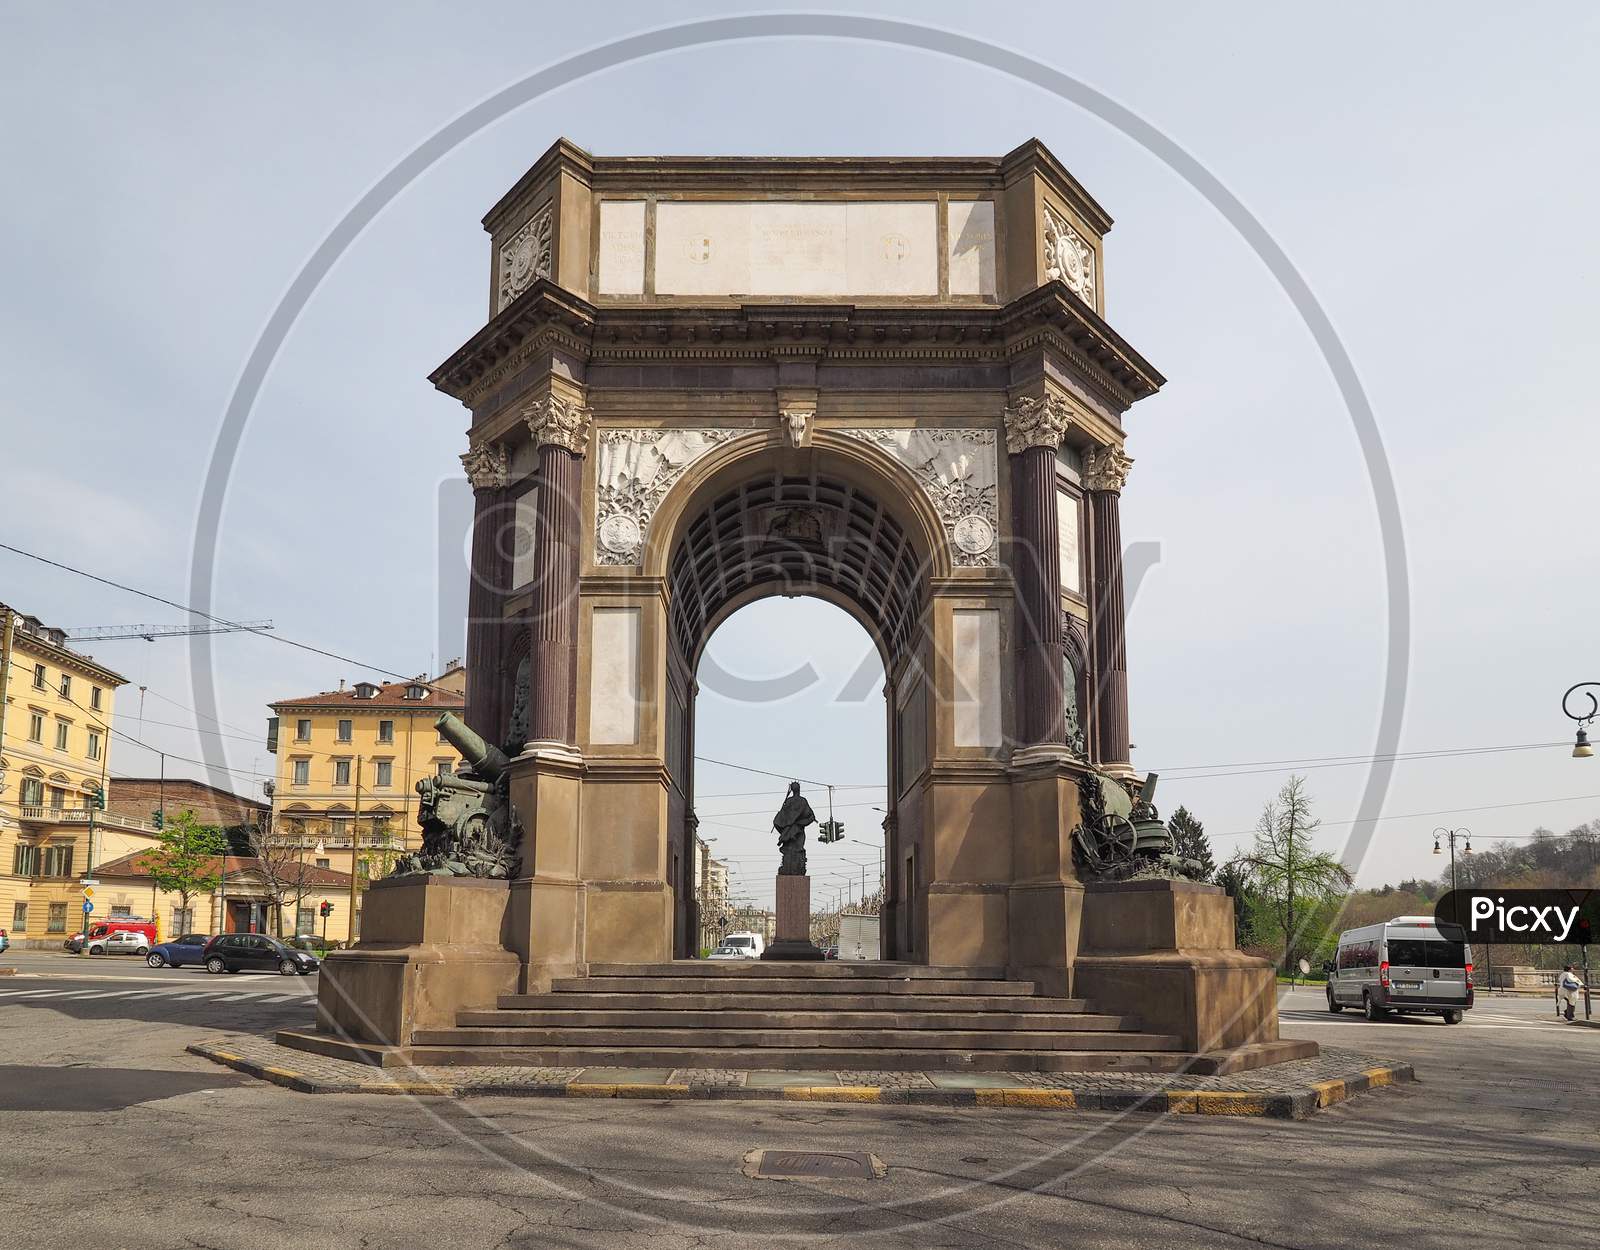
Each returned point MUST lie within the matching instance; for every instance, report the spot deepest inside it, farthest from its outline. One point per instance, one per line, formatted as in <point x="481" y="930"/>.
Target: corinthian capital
<point x="559" y="422"/>
<point x="1036" y="423"/>
<point x="1106" y="468"/>
<point x="488" y="467"/>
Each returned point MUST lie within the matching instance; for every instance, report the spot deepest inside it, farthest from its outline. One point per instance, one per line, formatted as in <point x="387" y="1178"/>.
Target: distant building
<point x="55" y="754"/>
<point x="380" y="735"/>
<point x="257" y="896"/>
<point x="143" y="797"/>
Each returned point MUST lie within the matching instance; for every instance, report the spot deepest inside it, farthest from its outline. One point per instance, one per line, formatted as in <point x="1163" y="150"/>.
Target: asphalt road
<point x="1494" y="1146"/>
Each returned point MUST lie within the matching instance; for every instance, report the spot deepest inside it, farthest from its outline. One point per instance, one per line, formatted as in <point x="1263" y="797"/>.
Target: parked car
<point x="120" y="942"/>
<point x="180" y="952"/>
<point x="831" y="952"/>
<point x="728" y="952"/>
<point x="256" y="952"/>
<point x="305" y="942"/>
<point x="117" y="924"/>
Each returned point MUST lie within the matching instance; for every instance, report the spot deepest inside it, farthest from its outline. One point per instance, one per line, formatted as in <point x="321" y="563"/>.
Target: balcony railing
<point x="81" y="815"/>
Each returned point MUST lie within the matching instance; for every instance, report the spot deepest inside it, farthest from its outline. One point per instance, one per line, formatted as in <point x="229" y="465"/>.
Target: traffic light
<point x="98" y="801"/>
<point x="158" y="818"/>
<point x="830" y="831"/>
<point x="326" y="908"/>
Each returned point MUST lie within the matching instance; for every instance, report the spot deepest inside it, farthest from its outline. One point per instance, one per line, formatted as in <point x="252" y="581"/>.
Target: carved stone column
<point x="488" y="471"/>
<point x="560" y="431"/>
<point x="1105" y="472"/>
<point x="1034" y="429"/>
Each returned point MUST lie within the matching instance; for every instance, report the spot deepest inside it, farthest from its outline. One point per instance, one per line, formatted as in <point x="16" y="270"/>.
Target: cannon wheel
<point x="1121" y="838"/>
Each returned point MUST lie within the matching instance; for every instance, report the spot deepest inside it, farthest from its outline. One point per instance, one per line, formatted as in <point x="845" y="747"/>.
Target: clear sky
<point x="1429" y="169"/>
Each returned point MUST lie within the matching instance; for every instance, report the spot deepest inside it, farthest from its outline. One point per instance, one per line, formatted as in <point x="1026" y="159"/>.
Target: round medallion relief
<point x="620" y="535"/>
<point x="973" y="534"/>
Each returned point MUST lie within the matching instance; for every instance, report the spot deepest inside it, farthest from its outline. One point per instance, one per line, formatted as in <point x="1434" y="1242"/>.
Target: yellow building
<point x="381" y="736"/>
<point x="55" y="749"/>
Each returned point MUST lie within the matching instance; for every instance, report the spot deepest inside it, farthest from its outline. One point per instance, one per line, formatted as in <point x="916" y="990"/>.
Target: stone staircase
<point x="839" y="1015"/>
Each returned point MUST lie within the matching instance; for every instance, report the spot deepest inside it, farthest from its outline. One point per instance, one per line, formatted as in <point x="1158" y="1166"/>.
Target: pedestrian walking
<point x="1567" y="986"/>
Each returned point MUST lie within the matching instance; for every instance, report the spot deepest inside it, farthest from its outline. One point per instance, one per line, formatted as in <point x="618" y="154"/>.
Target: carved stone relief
<point x="956" y="469"/>
<point x="1106" y="468"/>
<point x="1037" y="422"/>
<point x="636" y="469"/>
<point x="487" y="466"/>
<point x="1068" y="256"/>
<point x="525" y="257"/>
<point x="797" y="425"/>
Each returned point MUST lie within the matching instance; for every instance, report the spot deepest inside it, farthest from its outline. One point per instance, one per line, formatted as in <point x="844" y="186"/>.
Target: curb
<point x="1295" y="1105"/>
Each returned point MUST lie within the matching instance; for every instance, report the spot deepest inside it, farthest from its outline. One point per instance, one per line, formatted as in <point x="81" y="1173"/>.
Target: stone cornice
<point x="546" y="318"/>
<point x="763" y="176"/>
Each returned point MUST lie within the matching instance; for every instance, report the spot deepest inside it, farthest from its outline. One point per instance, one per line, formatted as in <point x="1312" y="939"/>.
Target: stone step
<point x="707" y="1039"/>
<point x="790" y="985"/>
<point x="821" y="1059"/>
<point x="778" y="1000"/>
<point x="665" y="1017"/>
<point x="827" y="968"/>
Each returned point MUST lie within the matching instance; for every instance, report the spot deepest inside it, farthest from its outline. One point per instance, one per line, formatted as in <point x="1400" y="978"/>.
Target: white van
<point x="1402" y="965"/>
<point x="750" y="945"/>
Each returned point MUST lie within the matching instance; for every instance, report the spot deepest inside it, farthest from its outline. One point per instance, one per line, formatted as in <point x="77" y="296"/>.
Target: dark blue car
<point x="188" y="949"/>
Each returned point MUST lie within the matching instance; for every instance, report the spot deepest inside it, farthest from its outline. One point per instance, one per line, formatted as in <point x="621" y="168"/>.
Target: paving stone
<point x="771" y="1080"/>
<point x="622" y="1076"/>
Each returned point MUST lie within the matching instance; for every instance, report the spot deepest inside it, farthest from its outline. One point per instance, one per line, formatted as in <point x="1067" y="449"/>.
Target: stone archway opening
<point x="787" y="688"/>
<point x="794" y="523"/>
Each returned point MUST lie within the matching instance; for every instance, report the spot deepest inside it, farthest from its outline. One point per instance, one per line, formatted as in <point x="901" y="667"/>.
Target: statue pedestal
<point x="793" y="937"/>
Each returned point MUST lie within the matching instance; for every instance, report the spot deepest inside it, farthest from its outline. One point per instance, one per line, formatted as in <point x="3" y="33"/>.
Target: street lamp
<point x="1452" y="834"/>
<point x="1581" y="750"/>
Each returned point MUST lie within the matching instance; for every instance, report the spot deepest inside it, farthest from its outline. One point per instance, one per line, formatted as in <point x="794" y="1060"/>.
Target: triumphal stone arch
<point x="889" y="383"/>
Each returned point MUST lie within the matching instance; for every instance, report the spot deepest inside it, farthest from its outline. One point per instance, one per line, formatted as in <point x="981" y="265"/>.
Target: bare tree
<point x="1287" y="869"/>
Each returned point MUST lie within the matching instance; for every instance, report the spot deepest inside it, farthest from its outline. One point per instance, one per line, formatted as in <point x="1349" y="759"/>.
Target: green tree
<point x="188" y="861"/>
<point x="1289" y="872"/>
<point x="1234" y="878"/>
<point x="1189" y="842"/>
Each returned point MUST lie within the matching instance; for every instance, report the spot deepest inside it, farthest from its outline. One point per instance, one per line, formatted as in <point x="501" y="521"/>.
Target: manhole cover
<point x="804" y="1164"/>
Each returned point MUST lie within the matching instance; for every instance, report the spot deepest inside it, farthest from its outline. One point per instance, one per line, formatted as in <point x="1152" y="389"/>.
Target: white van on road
<point x="1402" y="965"/>
<point x="749" y="945"/>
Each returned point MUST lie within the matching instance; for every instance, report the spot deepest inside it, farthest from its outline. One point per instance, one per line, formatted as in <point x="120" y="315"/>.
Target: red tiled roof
<point x="391" y="694"/>
<point x="138" y="865"/>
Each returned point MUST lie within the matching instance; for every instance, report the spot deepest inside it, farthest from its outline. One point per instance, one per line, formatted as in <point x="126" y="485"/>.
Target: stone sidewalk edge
<point x="1294" y="1105"/>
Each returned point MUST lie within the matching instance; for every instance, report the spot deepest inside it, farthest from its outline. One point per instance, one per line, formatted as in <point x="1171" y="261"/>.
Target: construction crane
<point x="111" y="633"/>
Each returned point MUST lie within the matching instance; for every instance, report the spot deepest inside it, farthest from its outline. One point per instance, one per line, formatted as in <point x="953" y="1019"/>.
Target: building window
<point x="61" y="735"/>
<point x="302" y="772"/>
<point x="344" y="730"/>
<point x="385" y="774"/>
<point x="386" y="731"/>
<point x="58" y="918"/>
<point x="57" y="860"/>
<point x="19" y="917"/>
<point x="305" y="920"/>
<point x="182" y="920"/>
<point x="122" y="910"/>
<point x="32" y="792"/>
<point x="66" y="685"/>
<point x="35" y="727"/>
<point x="322" y="863"/>
<point x="302" y="731"/>
<point x="58" y="797"/>
<point x="94" y="745"/>
<point x="443" y="769"/>
<point x="38" y="676"/>
<point x="94" y="697"/>
<point x="25" y="860"/>
<point x="341" y="772"/>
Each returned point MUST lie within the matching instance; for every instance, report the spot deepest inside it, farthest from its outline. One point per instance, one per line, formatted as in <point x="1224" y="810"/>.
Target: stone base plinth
<point x="429" y="947"/>
<point x="792" y="939"/>
<point x="1164" y="951"/>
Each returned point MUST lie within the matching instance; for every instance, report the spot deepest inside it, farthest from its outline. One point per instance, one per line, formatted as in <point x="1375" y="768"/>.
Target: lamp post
<point x="1581" y="750"/>
<point x="1452" y="834"/>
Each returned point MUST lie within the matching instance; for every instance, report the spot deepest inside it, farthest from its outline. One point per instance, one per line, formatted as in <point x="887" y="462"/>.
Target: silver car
<point x="120" y="942"/>
<point x="1403" y="965"/>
